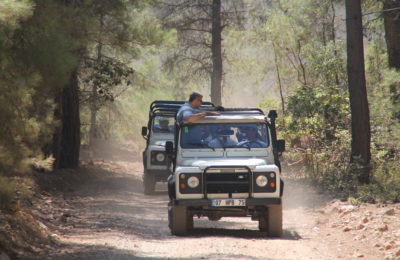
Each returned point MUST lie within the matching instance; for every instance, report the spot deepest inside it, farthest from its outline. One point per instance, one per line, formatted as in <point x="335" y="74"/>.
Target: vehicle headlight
<point x="193" y="182"/>
<point x="262" y="181"/>
<point x="160" y="157"/>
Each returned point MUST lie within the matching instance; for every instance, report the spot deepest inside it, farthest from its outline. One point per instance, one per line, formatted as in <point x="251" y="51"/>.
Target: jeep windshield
<point x="214" y="136"/>
<point x="163" y="125"/>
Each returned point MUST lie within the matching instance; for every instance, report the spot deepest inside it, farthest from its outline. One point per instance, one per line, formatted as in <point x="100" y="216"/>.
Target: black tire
<point x="275" y="221"/>
<point x="180" y="222"/>
<point x="190" y="223"/>
<point x="263" y="224"/>
<point x="214" y="218"/>
<point x="149" y="183"/>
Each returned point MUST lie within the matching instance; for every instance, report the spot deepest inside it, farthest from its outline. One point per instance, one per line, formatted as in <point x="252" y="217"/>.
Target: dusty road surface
<point x="108" y="217"/>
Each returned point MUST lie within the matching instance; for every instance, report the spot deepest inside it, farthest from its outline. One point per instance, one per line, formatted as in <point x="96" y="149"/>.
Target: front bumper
<point x="207" y="202"/>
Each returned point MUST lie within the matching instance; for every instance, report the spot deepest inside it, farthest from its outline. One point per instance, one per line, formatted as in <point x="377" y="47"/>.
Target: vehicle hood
<point x="158" y="145"/>
<point x="202" y="164"/>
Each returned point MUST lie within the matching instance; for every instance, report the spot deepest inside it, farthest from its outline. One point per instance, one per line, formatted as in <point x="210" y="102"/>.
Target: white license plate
<point x="228" y="203"/>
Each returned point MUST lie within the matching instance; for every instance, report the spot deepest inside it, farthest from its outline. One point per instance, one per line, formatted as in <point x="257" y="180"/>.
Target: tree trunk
<point x="392" y="36"/>
<point x="278" y="77"/>
<point x="93" y="116"/>
<point x="392" y="32"/>
<point x="67" y="140"/>
<point x="216" y="49"/>
<point x="93" y="132"/>
<point x="333" y="37"/>
<point x="360" y="122"/>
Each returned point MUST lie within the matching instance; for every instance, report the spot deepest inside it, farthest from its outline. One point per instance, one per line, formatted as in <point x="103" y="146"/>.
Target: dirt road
<point x="108" y="217"/>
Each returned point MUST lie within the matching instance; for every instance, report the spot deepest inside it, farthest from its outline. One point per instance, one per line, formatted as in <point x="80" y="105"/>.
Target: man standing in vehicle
<point x="190" y="111"/>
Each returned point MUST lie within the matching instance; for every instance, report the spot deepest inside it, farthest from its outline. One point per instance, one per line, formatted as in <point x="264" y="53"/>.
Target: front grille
<point x="227" y="182"/>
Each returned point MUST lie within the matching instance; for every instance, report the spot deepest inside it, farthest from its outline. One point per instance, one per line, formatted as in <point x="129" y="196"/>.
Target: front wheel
<point x="180" y="221"/>
<point x="272" y="221"/>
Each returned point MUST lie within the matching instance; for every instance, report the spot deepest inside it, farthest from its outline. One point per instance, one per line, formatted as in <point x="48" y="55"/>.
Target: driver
<point x="206" y="134"/>
<point x="222" y="139"/>
<point x="252" y="139"/>
<point x="163" y="125"/>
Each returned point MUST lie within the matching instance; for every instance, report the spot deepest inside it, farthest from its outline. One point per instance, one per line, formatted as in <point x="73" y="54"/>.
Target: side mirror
<point x="280" y="145"/>
<point x="169" y="147"/>
<point x="144" y="131"/>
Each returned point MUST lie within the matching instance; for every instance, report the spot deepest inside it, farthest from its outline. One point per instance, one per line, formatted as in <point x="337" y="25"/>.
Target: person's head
<point x="252" y="133"/>
<point x="164" y="123"/>
<point x="206" y="131"/>
<point x="195" y="100"/>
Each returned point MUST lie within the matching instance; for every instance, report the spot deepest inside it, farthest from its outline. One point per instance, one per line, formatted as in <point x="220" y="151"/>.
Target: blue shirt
<point x="185" y="111"/>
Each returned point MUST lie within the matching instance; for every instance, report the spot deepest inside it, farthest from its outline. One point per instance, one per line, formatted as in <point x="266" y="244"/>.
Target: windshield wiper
<point x="245" y="145"/>
<point x="229" y="146"/>
<point x="202" y="145"/>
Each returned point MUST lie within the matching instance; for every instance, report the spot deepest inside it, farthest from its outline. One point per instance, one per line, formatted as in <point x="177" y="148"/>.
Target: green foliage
<point x="123" y="52"/>
<point x="123" y="32"/>
<point x="122" y="119"/>
<point x="379" y="192"/>
<point x="317" y="120"/>
<point x="385" y="128"/>
<point x="317" y="130"/>
<point x="355" y="201"/>
<point x="105" y="75"/>
<point x="36" y="59"/>
<point x="302" y="36"/>
<point x="12" y="12"/>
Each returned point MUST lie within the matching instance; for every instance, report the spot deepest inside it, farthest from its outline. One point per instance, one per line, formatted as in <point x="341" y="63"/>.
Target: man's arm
<point x="194" y="117"/>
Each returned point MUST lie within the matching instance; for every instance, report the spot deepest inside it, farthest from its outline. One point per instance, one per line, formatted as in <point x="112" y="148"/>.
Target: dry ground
<point x="100" y="212"/>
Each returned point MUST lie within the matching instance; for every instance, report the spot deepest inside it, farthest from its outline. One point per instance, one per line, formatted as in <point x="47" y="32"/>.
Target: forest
<point x="76" y="71"/>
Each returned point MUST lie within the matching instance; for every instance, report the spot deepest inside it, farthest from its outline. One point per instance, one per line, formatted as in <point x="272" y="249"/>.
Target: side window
<point x="263" y="132"/>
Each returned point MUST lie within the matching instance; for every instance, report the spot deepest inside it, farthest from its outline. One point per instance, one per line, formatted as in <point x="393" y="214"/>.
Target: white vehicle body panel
<point x="157" y="143"/>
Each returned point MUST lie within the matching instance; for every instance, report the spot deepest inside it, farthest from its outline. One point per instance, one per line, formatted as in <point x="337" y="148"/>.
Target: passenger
<point x="241" y="133"/>
<point x="163" y="126"/>
<point x="206" y="134"/>
<point x="190" y="111"/>
<point x="222" y="140"/>
<point x="253" y="140"/>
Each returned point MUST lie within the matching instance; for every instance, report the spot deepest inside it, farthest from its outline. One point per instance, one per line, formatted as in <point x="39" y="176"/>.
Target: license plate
<point x="228" y="203"/>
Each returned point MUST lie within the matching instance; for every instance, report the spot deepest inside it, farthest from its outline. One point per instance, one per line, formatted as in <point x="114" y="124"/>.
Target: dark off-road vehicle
<point x="226" y="166"/>
<point x="160" y="129"/>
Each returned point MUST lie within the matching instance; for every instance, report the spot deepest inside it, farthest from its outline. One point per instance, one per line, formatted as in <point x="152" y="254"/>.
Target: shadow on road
<point x="99" y="252"/>
<point x="242" y="233"/>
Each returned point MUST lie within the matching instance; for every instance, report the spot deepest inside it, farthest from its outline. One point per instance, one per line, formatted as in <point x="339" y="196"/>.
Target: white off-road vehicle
<point x="159" y="129"/>
<point x="226" y="166"/>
